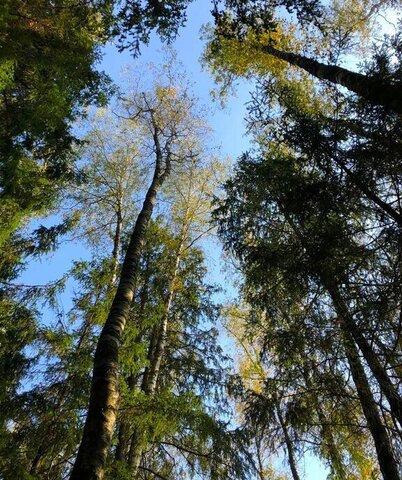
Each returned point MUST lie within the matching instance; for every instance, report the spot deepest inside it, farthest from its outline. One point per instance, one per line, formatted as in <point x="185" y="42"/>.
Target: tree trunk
<point x="378" y="370"/>
<point x="124" y="427"/>
<point x="37" y="460"/>
<point x="289" y="445"/>
<point x="156" y="352"/>
<point x="116" y="244"/>
<point x="154" y="368"/>
<point x="383" y="447"/>
<point x="102" y="410"/>
<point x="136" y="448"/>
<point x="370" y="88"/>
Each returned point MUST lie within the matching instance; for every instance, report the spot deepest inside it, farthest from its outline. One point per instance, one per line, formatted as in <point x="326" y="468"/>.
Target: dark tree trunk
<point x="383" y="447"/>
<point x="122" y="444"/>
<point x="370" y="88"/>
<point x="102" y="410"/>
<point x="288" y="442"/>
<point x="378" y="370"/>
<point x="37" y="460"/>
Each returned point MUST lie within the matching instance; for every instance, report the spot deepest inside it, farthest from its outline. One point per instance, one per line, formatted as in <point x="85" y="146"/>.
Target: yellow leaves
<point x="95" y="25"/>
<point x="190" y="192"/>
<point x="246" y="58"/>
<point x="250" y="367"/>
<point x="229" y="59"/>
<point x="353" y="17"/>
<point x="166" y="92"/>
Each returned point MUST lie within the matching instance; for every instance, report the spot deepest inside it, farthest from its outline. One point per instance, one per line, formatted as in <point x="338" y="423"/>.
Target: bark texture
<point x="102" y="410"/>
<point x="370" y="88"/>
<point x="382" y="443"/>
<point x="159" y="350"/>
<point x="116" y="243"/>
<point x="378" y="370"/>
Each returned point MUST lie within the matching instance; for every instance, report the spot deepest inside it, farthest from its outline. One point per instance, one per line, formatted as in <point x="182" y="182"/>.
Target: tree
<point x="175" y="417"/>
<point x="165" y="114"/>
<point x="269" y="425"/>
<point x="259" y="39"/>
<point x="321" y="255"/>
<point x="44" y="90"/>
<point x="188" y="192"/>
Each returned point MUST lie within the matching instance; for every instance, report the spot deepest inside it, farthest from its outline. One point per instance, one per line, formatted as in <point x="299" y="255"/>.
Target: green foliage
<point x="318" y="199"/>
<point x="311" y="203"/>
<point x="135" y="20"/>
<point x="178" y="416"/>
<point x="43" y="91"/>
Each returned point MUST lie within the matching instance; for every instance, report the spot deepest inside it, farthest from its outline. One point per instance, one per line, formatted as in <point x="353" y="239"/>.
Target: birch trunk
<point x="116" y="243"/>
<point x="156" y="352"/>
<point x="102" y="410"/>
<point x="159" y="350"/>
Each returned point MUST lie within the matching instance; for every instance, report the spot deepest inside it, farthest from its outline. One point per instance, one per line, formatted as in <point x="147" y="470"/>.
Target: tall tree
<point x="189" y="191"/>
<point x="267" y="244"/>
<point x="259" y="38"/>
<point x="166" y="115"/>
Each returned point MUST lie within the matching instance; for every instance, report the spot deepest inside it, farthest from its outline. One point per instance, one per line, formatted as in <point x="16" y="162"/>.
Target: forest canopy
<point x="166" y="311"/>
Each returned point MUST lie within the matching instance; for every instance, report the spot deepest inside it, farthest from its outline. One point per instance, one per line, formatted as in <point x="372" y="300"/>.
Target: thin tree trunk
<point x="156" y="352"/>
<point x="116" y="243"/>
<point x="352" y="334"/>
<point x="36" y="462"/>
<point x="124" y="429"/>
<point x="383" y="447"/>
<point x="289" y="445"/>
<point x="378" y="370"/>
<point x="136" y="448"/>
<point x="154" y="369"/>
<point x="260" y="469"/>
<point x="151" y="351"/>
<point x="370" y="88"/>
<point x="102" y="410"/>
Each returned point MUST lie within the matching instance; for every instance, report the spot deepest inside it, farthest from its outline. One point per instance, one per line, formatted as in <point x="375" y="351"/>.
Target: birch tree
<point x="165" y="115"/>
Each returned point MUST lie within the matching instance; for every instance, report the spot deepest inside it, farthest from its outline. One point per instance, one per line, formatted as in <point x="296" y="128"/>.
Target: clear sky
<point x="229" y="134"/>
